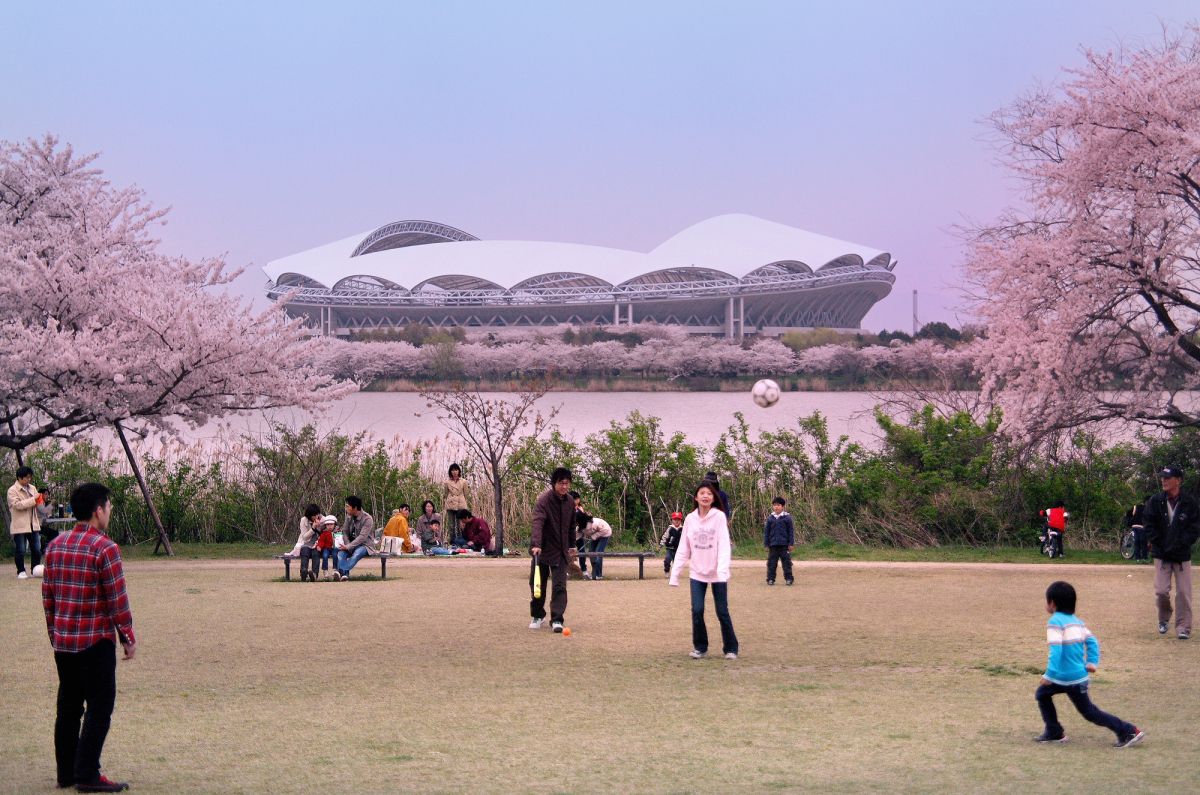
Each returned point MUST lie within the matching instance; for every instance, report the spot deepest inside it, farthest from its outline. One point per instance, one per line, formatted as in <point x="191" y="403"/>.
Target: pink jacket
<point x="704" y="548"/>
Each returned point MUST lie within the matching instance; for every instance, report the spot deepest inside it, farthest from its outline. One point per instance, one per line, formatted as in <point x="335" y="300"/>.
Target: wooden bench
<point x="288" y="558"/>
<point x="641" y="556"/>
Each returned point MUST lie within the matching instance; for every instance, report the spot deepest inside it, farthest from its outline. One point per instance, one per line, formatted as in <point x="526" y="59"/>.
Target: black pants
<point x="86" y="677"/>
<point x="558" y="592"/>
<point x="777" y="554"/>
<point x="1141" y="550"/>
<point x="1083" y="703"/>
<point x="668" y="559"/>
<point x="311" y="558"/>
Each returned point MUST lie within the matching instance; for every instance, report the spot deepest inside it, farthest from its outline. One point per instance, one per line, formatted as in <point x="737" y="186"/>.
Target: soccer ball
<point x="765" y="393"/>
<point x="39" y="570"/>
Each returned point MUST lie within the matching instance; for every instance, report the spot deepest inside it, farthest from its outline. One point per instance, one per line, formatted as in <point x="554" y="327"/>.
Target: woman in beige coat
<point x="456" y="500"/>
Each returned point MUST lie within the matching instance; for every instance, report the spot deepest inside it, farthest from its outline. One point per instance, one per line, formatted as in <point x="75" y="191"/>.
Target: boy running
<point x="1074" y="653"/>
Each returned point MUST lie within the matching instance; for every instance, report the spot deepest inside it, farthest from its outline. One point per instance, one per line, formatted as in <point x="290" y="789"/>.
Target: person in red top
<point x="83" y="594"/>
<point x="477" y="532"/>
<point x="1056" y="520"/>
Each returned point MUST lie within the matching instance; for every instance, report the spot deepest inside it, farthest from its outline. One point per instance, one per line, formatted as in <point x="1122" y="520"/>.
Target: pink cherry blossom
<point x="98" y="327"/>
<point x="1090" y="295"/>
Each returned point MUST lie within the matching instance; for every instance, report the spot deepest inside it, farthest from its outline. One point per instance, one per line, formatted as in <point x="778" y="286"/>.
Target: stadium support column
<point x="616" y="313"/>
<point x="729" y="319"/>
<point x="629" y="314"/>
<point x="741" y="318"/>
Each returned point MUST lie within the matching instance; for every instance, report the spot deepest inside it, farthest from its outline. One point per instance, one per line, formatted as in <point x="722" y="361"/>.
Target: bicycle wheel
<point x="1127" y="545"/>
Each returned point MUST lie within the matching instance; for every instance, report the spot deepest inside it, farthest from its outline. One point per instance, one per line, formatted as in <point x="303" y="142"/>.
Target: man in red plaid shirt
<point x="83" y="593"/>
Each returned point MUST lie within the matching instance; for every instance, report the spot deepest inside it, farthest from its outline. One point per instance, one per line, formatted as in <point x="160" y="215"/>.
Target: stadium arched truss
<point x="769" y="299"/>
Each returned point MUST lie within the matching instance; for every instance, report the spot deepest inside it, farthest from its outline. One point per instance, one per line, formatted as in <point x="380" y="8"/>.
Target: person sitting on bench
<point x="359" y="529"/>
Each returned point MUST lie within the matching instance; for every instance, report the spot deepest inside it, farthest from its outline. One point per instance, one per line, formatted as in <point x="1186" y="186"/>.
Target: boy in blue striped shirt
<point x="1074" y="653"/>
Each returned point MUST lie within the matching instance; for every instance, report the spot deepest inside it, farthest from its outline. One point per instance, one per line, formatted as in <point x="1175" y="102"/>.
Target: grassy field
<point x="864" y="677"/>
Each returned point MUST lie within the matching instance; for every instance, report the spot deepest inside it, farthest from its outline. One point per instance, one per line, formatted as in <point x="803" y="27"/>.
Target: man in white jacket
<point x="26" y="527"/>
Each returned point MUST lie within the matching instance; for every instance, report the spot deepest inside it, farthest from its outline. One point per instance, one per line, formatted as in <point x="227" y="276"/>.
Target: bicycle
<point x="1126" y="546"/>
<point x="1051" y="541"/>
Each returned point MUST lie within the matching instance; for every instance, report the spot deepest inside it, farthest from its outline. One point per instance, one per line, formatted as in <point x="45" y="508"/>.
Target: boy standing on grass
<point x="779" y="536"/>
<point x="1074" y="653"/>
<point x="670" y="540"/>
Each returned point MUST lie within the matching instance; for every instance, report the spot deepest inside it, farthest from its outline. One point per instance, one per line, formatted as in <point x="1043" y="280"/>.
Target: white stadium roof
<point x="731" y="244"/>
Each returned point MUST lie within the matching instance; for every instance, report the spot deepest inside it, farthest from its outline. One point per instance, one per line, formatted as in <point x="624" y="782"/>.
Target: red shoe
<point x="102" y="784"/>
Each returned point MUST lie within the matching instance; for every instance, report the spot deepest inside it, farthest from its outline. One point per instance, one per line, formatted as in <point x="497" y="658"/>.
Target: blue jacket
<point x="779" y="531"/>
<point x="1072" y="646"/>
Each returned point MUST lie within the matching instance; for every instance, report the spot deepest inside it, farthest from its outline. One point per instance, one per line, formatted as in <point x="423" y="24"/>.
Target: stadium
<point x="733" y="275"/>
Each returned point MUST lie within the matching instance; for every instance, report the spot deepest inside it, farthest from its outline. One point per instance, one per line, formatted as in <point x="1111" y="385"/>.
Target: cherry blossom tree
<point x="100" y="329"/>
<point x="1091" y="296"/>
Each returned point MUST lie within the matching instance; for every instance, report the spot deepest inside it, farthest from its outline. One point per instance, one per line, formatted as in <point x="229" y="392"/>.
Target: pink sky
<point x="273" y="128"/>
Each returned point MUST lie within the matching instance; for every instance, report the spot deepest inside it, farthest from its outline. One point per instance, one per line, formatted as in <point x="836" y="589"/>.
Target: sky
<point x="270" y="127"/>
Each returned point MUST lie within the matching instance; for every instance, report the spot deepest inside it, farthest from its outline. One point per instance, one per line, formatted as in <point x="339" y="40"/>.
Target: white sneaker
<point x="22" y="575"/>
<point x="731" y="656"/>
<point x="536" y="623"/>
<point x="557" y="626"/>
<point x="38" y="570"/>
<point x="696" y="654"/>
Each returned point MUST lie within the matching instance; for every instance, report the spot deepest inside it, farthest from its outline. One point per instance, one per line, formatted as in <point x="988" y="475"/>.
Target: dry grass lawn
<point x="863" y="677"/>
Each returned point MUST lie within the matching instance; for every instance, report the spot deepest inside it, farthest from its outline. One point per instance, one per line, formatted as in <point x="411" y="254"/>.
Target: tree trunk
<point x="498" y="496"/>
<point x="164" y="540"/>
<point x="16" y="451"/>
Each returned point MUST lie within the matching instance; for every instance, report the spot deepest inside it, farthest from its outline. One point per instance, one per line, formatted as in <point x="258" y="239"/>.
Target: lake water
<point x="701" y="416"/>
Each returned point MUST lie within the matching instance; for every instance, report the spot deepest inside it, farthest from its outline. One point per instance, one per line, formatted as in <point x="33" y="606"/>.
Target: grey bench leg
<point x="287" y="569"/>
<point x="383" y="567"/>
<point x="641" y="567"/>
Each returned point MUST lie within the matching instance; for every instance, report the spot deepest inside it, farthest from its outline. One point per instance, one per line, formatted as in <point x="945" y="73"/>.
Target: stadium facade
<point x="733" y="275"/>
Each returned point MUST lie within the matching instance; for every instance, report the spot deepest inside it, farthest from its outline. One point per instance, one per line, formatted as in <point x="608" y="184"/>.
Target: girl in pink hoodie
<point x="705" y="550"/>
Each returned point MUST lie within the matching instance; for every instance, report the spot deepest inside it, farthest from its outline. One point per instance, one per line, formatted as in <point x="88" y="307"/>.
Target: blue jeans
<point x="20" y="542"/>
<point x="345" y="561"/>
<point x="720" y="591"/>
<point x="598" y="545"/>
<point x="328" y="556"/>
<point x="1083" y="703"/>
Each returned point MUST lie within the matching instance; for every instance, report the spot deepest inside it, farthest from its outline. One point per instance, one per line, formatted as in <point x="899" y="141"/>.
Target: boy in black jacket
<point x="779" y="536"/>
<point x="670" y="540"/>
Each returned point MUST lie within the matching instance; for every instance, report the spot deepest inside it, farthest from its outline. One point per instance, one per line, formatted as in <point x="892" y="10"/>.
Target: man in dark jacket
<point x="779" y="536"/>
<point x="1173" y="523"/>
<point x="552" y="546"/>
<point x="1135" y="521"/>
<point x="581" y="521"/>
